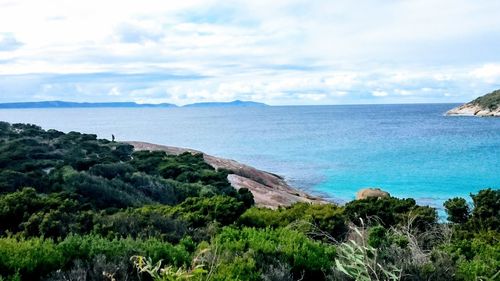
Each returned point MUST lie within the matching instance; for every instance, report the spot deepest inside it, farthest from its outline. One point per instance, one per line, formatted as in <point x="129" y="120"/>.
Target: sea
<point x="409" y="150"/>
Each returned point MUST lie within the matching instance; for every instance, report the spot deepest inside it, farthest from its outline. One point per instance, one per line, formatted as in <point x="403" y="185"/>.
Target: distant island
<point x="487" y="105"/>
<point x="64" y="104"/>
<point x="236" y="103"/>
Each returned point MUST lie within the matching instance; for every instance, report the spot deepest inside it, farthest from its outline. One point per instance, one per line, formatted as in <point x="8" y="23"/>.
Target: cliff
<point x="269" y="190"/>
<point x="487" y="105"/>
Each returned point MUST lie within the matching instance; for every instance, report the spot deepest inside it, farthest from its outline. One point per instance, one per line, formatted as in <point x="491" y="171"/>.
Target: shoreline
<point x="469" y="109"/>
<point x="269" y="190"/>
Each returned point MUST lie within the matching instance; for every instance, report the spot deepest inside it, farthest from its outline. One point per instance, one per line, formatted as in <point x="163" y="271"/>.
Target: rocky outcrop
<point x="470" y="109"/>
<point x="371" y="192"/>
<point x="269" y="190"/>
<point x="487" y="105"/>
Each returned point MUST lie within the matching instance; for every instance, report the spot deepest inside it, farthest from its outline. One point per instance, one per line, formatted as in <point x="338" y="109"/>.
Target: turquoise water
<point x="408" y="150"/>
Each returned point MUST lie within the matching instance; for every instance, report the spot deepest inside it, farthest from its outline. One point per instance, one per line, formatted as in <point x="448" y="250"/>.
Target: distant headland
<point x="64" y="104"/>
<point x="487" y="105"/>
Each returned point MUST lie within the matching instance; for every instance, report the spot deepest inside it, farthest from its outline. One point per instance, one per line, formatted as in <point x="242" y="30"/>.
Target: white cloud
<point x="114" y="92"/>
<point x="380" y="94"/>
<point x="281" y="52"/>
<point x="312" y="96"/>
<point x="404" y="92"/>
<point x="8" y="42"/>
<point x="489" y="73"/>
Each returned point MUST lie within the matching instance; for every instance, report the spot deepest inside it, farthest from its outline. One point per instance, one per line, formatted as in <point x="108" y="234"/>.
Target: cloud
<point x="114" y="92"/>
<point x="489" y="73"/>
<point x="323" y="87"/>
<point x="137" y="33"/>
<point x="8" y="42"/>
<point x="380" y="94"/>
<point x="280" y="52"/>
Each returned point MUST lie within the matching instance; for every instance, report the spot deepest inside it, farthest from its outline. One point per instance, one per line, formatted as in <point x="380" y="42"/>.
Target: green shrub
<point x="319" y="219"/>
<point x="457" y="210"/>
<point x="486" y="213"/>
<point x="479" y="258"/>
<point x="390" y="212"/>
<point x="146" y="222"/>
<point x="377" y="236"/>
<point x="36" y="257"/>
<point x="30" y="258"/>
<point x="245" y="254"/>
<point x="200" y="211"/>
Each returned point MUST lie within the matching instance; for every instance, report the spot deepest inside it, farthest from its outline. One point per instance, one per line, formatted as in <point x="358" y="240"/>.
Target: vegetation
<point x="74" y="207"/>
<point x="490" y="101"/>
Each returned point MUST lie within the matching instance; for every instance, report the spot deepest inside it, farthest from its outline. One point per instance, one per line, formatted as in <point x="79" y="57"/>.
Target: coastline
<point x="473" y="110"/>
<point x="484" y="106"/>
<point x="269" y="190"/>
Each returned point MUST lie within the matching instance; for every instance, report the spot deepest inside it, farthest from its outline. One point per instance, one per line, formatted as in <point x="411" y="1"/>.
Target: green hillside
<point x="490" y="101"/>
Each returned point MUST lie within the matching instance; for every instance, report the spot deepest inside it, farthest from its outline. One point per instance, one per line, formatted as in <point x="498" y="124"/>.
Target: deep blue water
<point x="408" y="150"/>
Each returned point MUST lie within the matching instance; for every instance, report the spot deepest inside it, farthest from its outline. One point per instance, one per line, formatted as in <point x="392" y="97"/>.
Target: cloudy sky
<point x="278" y="52"/>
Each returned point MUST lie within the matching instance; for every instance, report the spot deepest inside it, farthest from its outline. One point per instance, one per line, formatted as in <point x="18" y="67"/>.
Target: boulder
<point x="371" y="192"/>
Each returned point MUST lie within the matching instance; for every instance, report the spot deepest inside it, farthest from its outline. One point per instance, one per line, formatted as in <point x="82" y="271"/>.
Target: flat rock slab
<point x="473" y="110"/>
<point x="269" y="190"/>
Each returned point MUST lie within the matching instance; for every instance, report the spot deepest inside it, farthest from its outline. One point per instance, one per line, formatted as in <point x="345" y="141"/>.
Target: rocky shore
<point x="487" y="105"/>
<point x="470" y="109"/>
<point x="269" y="190"/>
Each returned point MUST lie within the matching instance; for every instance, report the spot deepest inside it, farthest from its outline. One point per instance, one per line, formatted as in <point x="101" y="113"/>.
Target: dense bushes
<point x="33" y="214"/>
<point x="248" y="254"/>
<point x="486" y="213"/>
<point x="36" y="257"/>
<point x="137" y="223"/>
<point x="318" y="220"/>
<point x="477" y="258"/>
<point x="74" y="207"/>
<point x="489" y="101"/>
<point x="476" y="244"/>
<point x="390" y="212"/>
<point x="457" y="209"/>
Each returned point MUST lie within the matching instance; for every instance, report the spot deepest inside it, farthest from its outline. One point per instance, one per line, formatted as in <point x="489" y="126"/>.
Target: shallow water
<point x="408" y="150"/>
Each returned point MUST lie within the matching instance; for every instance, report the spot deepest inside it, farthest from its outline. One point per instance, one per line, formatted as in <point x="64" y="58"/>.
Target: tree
<point x="486" y="211"/>
<point x="457" y="209"/>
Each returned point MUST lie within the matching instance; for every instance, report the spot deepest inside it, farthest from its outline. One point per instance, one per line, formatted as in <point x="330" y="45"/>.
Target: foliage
<point x="75" y="176"/>
<point x="391" y="212"/>
<point x="75" y="207"/>
<point x="321" y="220"/>
<point x="167" y="273"/>
<point x="144" y="222"/>
<point x="36" y="257"/>
<point x="200" y="211"/>
<point x="98" y="268"/>
<point x="249" y="252"/>
<point x="34" y="214"/>
<point x="360" y="262"/>
<point x="457" y="210"/>
<point x="486" y="213"/>
<point x="490" y="101"/>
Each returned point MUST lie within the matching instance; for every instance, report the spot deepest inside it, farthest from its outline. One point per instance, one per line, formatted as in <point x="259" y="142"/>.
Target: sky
<point x="277" y="52"/>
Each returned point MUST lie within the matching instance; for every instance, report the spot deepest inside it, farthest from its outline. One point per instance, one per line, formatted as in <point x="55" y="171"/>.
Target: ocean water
<point x="408" y="150"/>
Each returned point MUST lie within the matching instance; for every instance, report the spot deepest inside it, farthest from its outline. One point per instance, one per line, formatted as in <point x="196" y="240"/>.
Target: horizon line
<point x="214" y="102"/>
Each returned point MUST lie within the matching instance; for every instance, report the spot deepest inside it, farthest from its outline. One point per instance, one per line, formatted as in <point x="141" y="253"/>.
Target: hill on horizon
<point x="227" y="104"/>
<point x="64" y="104"/>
